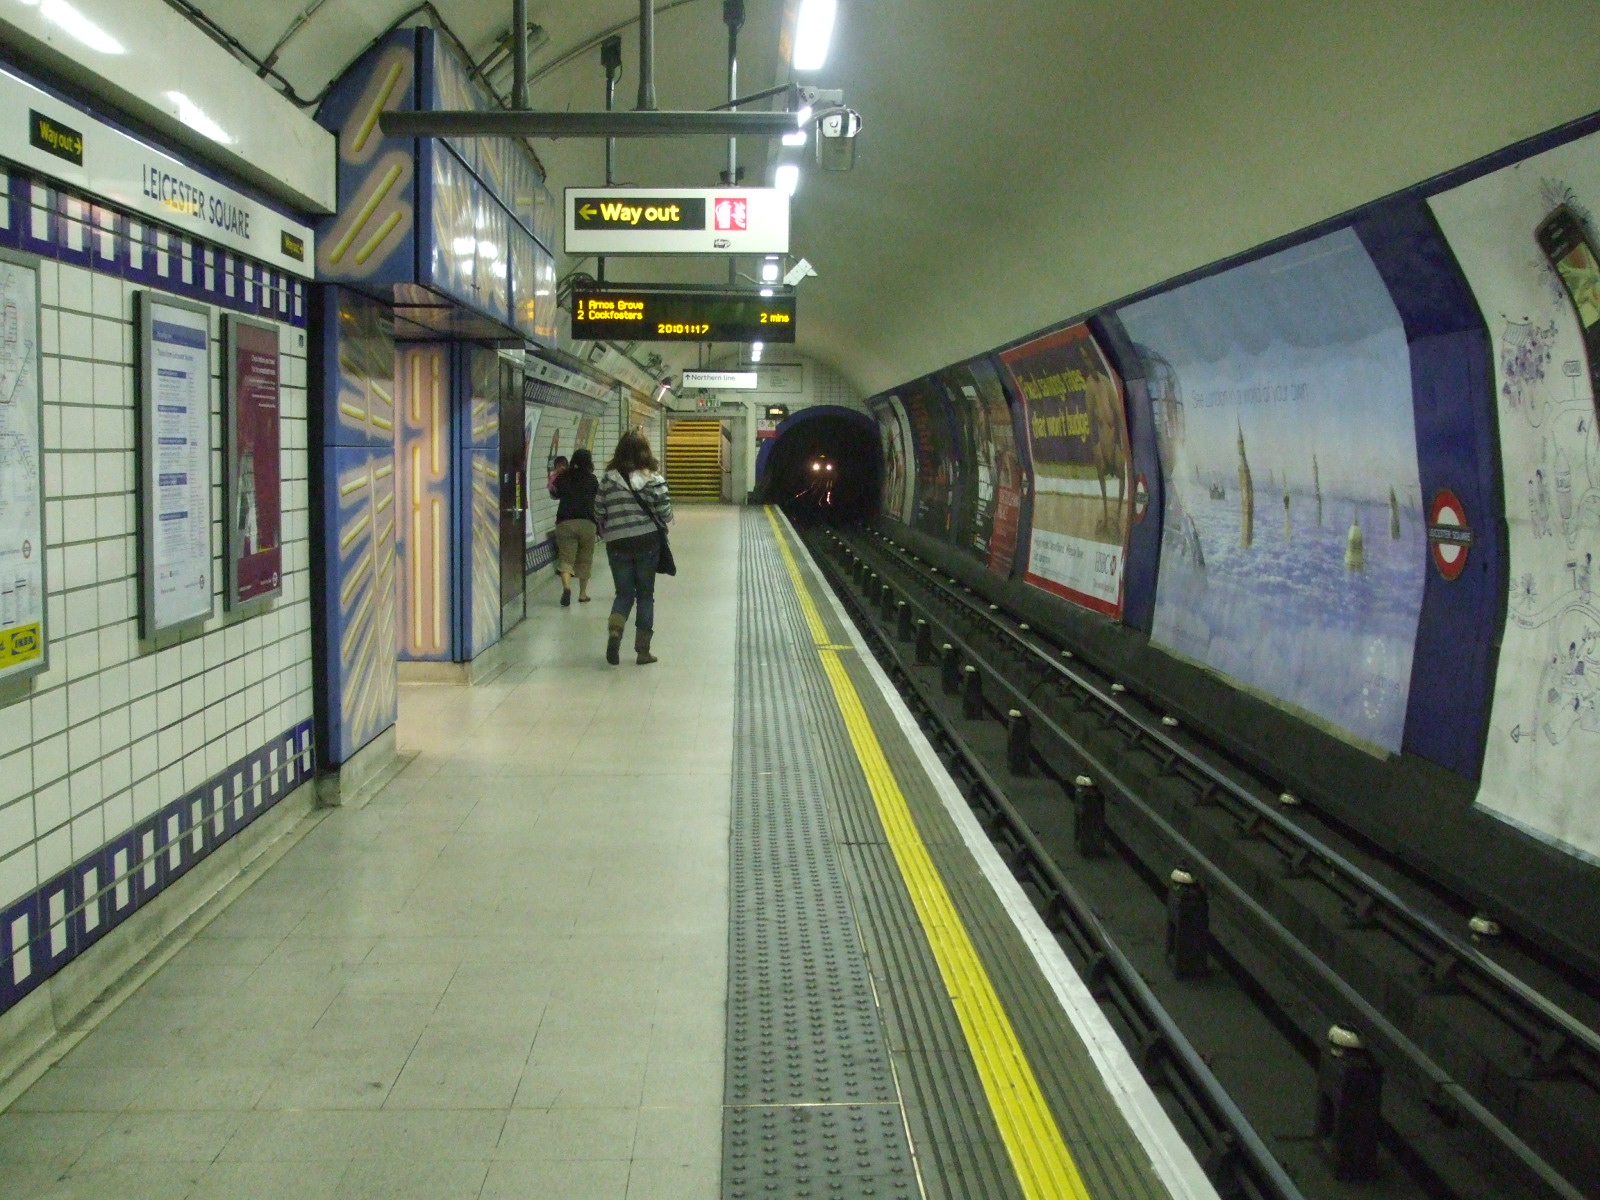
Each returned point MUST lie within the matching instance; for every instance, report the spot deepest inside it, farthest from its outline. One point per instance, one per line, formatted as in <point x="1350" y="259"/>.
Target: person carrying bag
<point x="633" y="509"/>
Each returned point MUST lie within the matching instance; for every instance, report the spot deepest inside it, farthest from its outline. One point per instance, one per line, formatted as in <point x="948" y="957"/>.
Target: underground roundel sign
<point x="1449" y="535"/>
<point x="1141" y="497"/>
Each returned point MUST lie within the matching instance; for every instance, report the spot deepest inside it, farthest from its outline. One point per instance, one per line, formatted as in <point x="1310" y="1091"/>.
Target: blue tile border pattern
<point x="42" y="932"/>
<point x="39" y="216"/>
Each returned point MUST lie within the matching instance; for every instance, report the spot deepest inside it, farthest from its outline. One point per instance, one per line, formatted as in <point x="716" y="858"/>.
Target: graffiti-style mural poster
<point x="1544" y="729"/>
<point x="1078" y="441"/>
<point x="899" y="472"/>
<point x="1293" y="549"/>
<point x="935" y="450"/>
<point x="995" y="490"/>
<point x="360" y="561"/>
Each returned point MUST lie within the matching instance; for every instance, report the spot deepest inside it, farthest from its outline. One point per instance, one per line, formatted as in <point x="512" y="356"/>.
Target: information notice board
<point x="175" y="564"/>
<point x="252" y="532"/>
<point x="22" y="581"/>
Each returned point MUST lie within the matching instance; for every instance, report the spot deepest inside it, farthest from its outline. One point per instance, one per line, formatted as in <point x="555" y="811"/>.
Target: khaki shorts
<point x="575" y="548"/>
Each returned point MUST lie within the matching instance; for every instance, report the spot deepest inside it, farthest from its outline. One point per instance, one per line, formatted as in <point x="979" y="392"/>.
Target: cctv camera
<point x="799" y="271"/>
<point x="836" y="139"/>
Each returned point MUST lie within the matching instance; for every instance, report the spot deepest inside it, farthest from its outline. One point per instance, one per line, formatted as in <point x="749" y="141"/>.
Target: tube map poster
<point x="1544" y="725"/>
<point x="22" y="591"/>
<point x="1078" y="440"/>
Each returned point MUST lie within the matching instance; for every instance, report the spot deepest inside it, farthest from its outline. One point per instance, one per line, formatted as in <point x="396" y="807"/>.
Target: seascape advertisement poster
<point x="898" y="470"/>
<point x="934" y="453"/>
<point x="1078" y="443"/>
<point x="1293" y="551"/>
<point x="255" y="504"/>
<point x="1544" y="727"/>
<point x="994" y="499"/>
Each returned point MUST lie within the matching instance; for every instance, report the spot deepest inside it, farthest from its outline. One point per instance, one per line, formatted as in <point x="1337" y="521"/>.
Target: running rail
<point x="1235" y="1152"/>
<point x="1373" y="900"/>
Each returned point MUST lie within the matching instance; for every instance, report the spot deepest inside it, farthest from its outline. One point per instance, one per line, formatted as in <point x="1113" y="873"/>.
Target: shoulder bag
<point x="665" y="564"/>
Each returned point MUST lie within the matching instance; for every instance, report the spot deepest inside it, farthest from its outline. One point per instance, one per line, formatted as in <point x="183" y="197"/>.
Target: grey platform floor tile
<point x="323" y="1135"/>
<point x="412" y="1179"/>
<point x="553" y="1179"/>
<point x="569" y="1133"/>
<point x="162" y="1137"/>
<point x="100" y="1181"/>
<point x="283" y="1180"/>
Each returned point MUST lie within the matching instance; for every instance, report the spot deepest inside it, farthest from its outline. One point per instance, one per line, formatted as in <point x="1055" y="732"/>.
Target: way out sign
<point x="677" y="221"/>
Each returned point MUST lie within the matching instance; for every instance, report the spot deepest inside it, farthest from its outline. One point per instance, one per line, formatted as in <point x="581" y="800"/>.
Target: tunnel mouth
<point x="822" y="467"/>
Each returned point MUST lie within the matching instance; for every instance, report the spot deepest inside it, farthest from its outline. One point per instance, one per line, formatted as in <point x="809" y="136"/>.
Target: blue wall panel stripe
<point x="1452" y="385"/>
<point x="43" y="932"/>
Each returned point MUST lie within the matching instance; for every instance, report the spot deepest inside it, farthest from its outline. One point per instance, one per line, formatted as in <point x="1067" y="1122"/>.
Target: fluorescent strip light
<point x="766" y="291"/>
<point x="797" y="138"/>
<point x="787" y="178"/>
<point x="813" y="30"/>
<point x="74" y="24"/>
<point x="769" y="270"/>
<point x="755" y="351"/>
<point x="197" y="119"/>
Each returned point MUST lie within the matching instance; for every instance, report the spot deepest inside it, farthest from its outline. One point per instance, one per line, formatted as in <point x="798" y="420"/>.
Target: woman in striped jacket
<point x="631" y="506"/>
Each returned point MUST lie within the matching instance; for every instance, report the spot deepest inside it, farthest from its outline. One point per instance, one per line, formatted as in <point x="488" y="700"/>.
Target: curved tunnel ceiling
<point x="1021" y="163"/>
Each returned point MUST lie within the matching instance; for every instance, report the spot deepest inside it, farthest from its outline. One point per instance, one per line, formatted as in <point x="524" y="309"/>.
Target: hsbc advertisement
<point x="677" y="221"/>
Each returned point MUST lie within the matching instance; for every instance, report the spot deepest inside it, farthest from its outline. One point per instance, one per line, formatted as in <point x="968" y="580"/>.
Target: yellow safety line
<point x="1038" y="1154"/>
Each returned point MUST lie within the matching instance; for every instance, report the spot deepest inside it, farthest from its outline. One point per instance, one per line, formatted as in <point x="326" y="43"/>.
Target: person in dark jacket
<point x="575" y="487"/>
<point x="633" y="499"/>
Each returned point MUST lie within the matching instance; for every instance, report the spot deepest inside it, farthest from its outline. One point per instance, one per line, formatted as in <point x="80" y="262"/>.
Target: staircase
<point x="694" y="461"/>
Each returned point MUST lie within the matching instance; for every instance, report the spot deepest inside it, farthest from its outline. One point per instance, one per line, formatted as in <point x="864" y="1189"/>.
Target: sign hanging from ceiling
<point x="722" y="381"/>
<point x="682" y="315"/>
<point x="677" y="221"/>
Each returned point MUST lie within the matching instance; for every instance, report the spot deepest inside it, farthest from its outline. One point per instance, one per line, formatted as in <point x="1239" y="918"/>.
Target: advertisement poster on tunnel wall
<point x="1078" y="441"/>
<point x="994" y="487"/>
<point x="935" y="445"/>
<point x="252" y="535"/>
<point x="899" y="478"/>
<point x="1544" y="726"/>
<point x="1293" y="549"/>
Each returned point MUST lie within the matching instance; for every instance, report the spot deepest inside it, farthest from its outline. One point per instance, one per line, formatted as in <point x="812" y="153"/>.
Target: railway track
<point x="1491" y="1088"/>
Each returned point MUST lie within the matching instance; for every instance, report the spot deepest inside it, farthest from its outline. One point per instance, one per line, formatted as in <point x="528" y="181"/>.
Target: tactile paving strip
<point x="811" y="1106"/>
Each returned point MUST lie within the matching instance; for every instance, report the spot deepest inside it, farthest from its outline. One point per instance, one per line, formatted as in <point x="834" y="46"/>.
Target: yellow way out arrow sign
<point x="677" y="221"/>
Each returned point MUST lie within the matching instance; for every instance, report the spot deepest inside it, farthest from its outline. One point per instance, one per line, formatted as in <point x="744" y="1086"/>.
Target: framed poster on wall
<point x="174" y="374"/>
<point x="22" y="582"/>
<point x="252" y="542"/>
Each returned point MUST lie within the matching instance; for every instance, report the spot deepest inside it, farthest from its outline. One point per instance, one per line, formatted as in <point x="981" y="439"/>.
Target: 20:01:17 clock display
<point x="711" y="315"/>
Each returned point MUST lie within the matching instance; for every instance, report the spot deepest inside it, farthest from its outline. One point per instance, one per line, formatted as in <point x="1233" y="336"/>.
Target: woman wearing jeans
<point x="633" y="499"/>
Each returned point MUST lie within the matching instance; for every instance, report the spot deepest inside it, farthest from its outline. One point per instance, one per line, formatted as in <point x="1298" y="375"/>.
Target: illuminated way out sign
<point x="663" y="315"/>
<point x="677" y="221"/>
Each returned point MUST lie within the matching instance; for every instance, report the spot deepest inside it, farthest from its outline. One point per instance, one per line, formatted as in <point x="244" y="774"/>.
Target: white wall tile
<point x="129" y="750"/>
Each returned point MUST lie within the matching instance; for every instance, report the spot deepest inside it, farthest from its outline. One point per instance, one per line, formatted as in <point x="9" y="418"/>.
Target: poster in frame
<point x="24" y="641"/>
<point x="174" y="375"/>
<point x="252" y="530"/>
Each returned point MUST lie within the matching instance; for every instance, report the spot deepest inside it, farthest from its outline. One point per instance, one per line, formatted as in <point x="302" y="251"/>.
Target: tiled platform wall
<point x="130" y="761"/>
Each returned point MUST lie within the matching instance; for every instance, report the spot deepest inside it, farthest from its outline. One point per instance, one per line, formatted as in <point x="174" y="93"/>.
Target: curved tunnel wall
<point x="846" y="439"/>
<point x="1338" y="498"/>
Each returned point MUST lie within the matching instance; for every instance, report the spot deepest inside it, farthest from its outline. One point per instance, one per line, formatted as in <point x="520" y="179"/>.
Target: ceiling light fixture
<point x="813" y="31"/>
<point x="74" y="24"/>
<point x="197" y="119"/>
<point x="769" y="271"/>
<point x="787" y="179"/>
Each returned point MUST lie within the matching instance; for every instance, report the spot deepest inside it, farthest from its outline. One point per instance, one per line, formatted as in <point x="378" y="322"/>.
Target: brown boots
<point x="641" y="642"/>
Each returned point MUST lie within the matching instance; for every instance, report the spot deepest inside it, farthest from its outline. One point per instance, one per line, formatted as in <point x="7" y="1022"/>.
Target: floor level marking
<point x="1038" y="1153"/>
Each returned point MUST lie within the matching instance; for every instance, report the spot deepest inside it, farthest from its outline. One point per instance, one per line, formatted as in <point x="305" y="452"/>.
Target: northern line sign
<point x="624" y="221"/>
